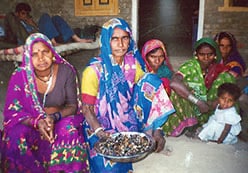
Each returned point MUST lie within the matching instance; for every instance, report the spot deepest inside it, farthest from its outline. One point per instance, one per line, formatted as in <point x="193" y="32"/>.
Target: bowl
<point x="125" y="146"/>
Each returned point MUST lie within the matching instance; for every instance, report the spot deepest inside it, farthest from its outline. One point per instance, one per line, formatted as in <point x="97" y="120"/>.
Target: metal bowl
<point x="124" y="158"/>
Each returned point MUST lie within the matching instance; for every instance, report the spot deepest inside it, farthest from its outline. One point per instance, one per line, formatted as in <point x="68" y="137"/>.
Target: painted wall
<point x="65" y="8"/>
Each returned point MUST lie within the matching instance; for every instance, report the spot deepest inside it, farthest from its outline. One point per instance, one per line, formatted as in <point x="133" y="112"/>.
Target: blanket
<point x="15" y="54"/>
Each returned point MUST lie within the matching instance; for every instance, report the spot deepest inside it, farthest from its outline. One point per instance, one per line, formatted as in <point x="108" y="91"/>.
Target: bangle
<point x="34" y="121"/>
<point x="98" y="130"/>
<point x="56" y="116"/>
<point x="193" y="99"/>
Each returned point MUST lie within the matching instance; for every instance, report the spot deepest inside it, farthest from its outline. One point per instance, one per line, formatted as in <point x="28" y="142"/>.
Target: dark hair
<point x="205" y="45"/>
<point x="22" y="6"/>
<point x="154" y="51"/>
<point x="229" y="88"/>
<point x="218" y="37"/>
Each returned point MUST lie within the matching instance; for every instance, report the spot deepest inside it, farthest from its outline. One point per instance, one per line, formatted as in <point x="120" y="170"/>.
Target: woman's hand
<point x="159" y="140"/>
<point x="102" y="134"/>
<point x="203" y="106"/>
<point x="45" y="128"/>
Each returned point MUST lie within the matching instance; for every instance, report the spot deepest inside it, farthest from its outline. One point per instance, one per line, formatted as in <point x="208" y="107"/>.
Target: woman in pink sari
<point x="42" y="114"/>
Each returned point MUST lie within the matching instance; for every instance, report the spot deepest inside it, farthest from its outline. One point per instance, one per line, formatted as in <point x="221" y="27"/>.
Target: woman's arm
<point x="181" y="89"/>
<point x="178" y="86"/>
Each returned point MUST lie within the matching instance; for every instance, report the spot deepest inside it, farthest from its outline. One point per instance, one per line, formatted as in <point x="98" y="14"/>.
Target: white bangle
<point x="98" y="130"/>
<point x="193" y="99"/>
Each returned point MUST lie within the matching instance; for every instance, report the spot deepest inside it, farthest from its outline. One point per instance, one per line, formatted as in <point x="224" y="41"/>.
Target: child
<point x="224" y="125"/>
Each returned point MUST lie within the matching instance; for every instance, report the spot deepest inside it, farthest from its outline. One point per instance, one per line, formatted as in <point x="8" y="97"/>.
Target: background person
<point x="20" y="25"/>
<point x="230" y="54"/>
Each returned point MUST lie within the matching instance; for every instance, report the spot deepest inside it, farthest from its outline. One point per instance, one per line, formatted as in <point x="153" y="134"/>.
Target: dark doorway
<point x="171" y="21"/>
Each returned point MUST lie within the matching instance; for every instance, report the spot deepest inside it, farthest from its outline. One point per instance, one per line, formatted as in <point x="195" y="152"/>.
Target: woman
<point x="43" y="106"/>
<point x="237" y="67"/>
<point x="111" y="101"/>
<point x="230" y="54"/>
<point x="155" y="56"/>
<point x="194" y="87"/>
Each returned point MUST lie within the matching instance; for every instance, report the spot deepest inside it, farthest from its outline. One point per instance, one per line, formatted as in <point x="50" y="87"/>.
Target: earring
<point x="215" y="57"/>
<point x="54" y="59"/>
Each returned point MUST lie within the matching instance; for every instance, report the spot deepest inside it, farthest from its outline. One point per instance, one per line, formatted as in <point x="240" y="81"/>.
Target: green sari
<point x="187" y="114"/>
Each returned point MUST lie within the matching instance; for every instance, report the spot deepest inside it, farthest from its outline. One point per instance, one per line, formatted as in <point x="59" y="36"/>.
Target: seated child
<point x="224" y="125"/>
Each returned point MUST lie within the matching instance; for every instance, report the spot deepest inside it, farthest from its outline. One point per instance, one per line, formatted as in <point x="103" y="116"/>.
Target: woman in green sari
<point x="194" y="88"/>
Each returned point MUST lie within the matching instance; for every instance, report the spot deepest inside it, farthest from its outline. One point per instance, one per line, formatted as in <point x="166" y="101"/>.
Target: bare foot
<point x="54" y="43"/>
<point x="85" y="40"/>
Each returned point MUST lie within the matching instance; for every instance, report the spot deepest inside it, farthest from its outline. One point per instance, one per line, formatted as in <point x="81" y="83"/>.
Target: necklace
<point x="45" y="79"/>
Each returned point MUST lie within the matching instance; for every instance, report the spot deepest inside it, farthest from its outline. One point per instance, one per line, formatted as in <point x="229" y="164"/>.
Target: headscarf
<point x="215" y="68"/>
<point x="235" y="60"/>
<point x="165" y="70"/>
<point x="27" y="81"/>
<point x="113" y="82"/>
<point x="212" y="43"/>
<point x="151" y="45"/>
<point x="105" y="38"/>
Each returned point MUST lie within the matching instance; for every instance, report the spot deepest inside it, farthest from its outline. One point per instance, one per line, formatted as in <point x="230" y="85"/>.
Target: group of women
<point x="49" y="126"/>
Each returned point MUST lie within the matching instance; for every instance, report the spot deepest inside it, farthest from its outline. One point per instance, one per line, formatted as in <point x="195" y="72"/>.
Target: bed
<point x="15" y="54"/>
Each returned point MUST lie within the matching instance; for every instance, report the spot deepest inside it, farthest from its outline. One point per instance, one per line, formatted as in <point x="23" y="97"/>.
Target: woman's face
<point x="119" y="43"/>
<point x="225" y="47"/>
<point x="155" y="59"/>
<point x="205" y="55"/>
<point x="41" y="57"/>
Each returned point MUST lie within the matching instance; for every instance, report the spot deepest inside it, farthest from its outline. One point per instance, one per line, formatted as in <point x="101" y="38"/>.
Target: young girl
<point x="224" y="125"/>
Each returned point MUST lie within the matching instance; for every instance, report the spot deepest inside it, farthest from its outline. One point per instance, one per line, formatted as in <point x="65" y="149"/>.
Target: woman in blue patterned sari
<point x="119" y="97"/>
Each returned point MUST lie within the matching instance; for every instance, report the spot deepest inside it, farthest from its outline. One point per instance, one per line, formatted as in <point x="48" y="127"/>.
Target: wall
<point x="65" y="8"/>
<point x="214" y="20"/>
<point x="234" y="22"/>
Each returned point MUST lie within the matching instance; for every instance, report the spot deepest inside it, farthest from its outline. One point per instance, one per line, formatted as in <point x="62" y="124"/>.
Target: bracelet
<point x="34" y="121"/>
<point x="56" y="116"/>
<point x="161" y="131"/>
<point x="193" y="99"/>
<point x="98" y="130"/>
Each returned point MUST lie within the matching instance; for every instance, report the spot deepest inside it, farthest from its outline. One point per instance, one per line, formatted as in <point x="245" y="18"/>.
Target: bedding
<point x="15" y="54"/>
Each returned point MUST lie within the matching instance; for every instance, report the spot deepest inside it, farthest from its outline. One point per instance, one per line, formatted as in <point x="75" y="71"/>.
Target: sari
<point x="121" y="103"/>
<point x="165" y="71"/>
<point x="23" y="149"/>
<point x="234" y="61"/>
<point x="204" y="88"/>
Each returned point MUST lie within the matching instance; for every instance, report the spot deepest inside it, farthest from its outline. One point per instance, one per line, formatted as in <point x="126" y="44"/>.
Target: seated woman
<point x="114" y="100"/>
<point x="157" y="61"/>
<point x="42" y="114"/>
<point x="194" y="87"/>
<point x="230" y="54"/>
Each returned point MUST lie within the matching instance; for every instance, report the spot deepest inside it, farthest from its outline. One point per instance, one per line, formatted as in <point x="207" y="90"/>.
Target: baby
<point x="224" y="125"/>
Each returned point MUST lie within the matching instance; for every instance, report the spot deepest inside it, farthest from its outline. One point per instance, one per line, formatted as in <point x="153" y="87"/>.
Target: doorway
<point x="172" y="21"/>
